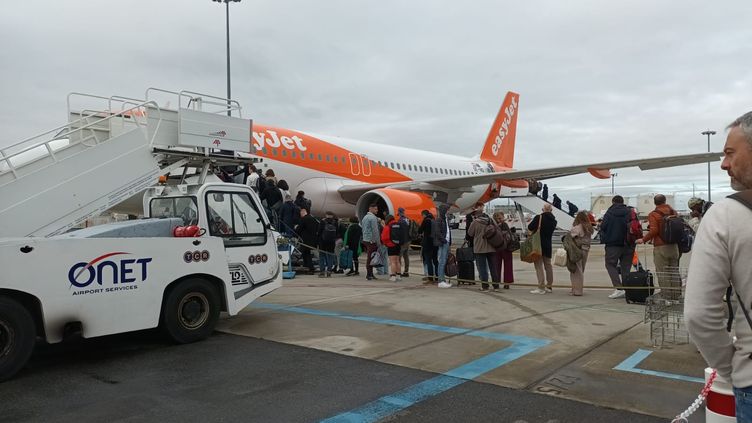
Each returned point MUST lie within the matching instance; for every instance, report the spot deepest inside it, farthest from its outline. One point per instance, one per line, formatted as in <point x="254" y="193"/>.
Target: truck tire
<point x="191" y="311"/>
<point x="17" y="337"/>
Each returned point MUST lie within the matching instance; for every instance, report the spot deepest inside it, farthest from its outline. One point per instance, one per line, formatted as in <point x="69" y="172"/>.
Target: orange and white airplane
<point x="345" y="176"/>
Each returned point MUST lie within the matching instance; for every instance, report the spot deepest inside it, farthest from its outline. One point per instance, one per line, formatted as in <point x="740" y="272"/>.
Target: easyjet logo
<point x="270" y="138"/>
<point x="504" y="127"/>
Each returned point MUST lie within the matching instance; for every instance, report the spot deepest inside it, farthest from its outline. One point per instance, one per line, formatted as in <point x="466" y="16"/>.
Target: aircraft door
<point x="354" y="164"/>
<point x="359" y="165"/>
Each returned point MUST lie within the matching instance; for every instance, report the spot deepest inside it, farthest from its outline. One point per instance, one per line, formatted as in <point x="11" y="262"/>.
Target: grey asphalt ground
<point x="140" y="377"/>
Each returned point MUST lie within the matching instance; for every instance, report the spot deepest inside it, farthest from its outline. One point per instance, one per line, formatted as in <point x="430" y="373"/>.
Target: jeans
<point x="484" y="262"/>
<point x="743" y="398"/>
<point x="443" y="252"/>
<point x="405" y="256"/>
<point x="429" y="267"/>
<point x="618" y="256"/>
<point x="326" y="261"/>
<point x="666" y="260"/>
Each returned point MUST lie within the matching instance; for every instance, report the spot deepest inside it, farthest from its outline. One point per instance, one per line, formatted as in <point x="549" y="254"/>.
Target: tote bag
<point x="530" y="249"/>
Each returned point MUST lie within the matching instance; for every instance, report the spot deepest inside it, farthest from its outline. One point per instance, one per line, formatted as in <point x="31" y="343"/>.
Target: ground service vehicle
<point x="201" y="249"/>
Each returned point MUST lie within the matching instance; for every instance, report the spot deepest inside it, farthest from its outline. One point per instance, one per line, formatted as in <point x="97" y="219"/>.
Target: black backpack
<point x="672" y="228"/>
<point x="329" y="232"/>
<point x="396" y="232"/>
<point x="260" y="184"/>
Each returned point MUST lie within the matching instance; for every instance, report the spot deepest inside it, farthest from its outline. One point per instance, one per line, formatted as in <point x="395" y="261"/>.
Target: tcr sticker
<point x="196" y="256"/>
<point x="258" y="258"/>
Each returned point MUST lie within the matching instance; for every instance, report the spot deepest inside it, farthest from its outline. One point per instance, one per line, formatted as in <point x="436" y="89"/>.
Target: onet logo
<point x="100" y="269"/>
<point x="218" y="134"/>
<point x="271" y="139"/>
<point x="504" y="128"/>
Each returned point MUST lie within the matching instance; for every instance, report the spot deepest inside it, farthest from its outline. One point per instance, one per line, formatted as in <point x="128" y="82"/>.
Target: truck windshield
<point x="182" y="207"/>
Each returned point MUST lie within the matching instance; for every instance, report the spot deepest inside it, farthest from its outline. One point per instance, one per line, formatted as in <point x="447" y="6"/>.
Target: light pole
<point x="227" y="17"/>
<point x="613" y="175"/>
<point x="708" y="133"/>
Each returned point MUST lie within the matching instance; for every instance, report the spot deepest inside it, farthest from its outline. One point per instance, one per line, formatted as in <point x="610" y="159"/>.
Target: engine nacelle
<point x="389" y="200"/>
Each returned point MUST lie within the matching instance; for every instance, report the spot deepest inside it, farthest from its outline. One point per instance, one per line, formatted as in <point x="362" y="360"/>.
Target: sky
<point x="598" y="81"/>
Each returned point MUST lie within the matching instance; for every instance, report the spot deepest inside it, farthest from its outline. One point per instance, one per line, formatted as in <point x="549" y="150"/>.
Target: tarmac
<point x="590" y="349"/>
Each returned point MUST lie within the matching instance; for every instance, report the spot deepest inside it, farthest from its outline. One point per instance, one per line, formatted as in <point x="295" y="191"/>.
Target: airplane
<point x="345" y="176"/>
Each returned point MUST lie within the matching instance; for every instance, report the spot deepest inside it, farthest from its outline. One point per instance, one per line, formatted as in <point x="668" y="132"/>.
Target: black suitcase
<point x="638" y="279"/>
<point x="465" y="253"/>
<point x="465" y="272"/>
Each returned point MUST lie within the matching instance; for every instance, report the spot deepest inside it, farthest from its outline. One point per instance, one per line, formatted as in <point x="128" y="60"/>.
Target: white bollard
<point x="719" y="406"/>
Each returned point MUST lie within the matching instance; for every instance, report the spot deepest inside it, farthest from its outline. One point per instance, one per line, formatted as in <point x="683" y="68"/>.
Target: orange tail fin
<point x="499" y="147"/>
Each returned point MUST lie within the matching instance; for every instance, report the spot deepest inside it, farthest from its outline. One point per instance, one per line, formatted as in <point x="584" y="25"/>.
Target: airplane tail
<point x="499" y="147"/>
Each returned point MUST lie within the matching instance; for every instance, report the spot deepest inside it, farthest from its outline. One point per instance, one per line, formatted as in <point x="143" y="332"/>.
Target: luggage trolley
<point x="664" y="311"/>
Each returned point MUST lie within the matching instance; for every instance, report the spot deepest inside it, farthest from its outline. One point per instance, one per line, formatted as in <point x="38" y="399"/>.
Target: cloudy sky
<point x="598" y="80"/>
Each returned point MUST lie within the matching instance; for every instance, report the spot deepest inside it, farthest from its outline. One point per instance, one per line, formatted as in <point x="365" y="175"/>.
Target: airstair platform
<point x="534" y="204"/>
<point x="54" y="181"/>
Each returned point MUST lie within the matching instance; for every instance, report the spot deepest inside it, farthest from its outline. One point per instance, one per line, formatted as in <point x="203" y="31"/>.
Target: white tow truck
<point x="201" y="249"/>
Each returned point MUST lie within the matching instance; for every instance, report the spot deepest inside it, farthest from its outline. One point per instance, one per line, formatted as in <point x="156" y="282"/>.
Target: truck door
<point x="250" y="247"/>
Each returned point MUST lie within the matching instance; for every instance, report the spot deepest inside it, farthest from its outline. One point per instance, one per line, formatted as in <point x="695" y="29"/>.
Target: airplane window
<point x="284" y="153"/>
<point x="421" y="168"/>
<point x="311" y="156"/>
<point x="319" y="157"/>
<point x="335" y="159"/>
<point x="263" y="150"/>
<point x="409" y="166"/>
<point x="294" y="154"/>
<point x="354" y="160"/>
<point x="391" y="165"/>
<point x="399" y="166"/>
<point x="274" y="152"/>
<point x="343" y="159"/>
<point x="327" y="157"/>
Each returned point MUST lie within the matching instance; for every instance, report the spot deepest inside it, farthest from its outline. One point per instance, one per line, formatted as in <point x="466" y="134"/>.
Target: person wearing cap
<point x="405" y="246"/>
<point x="697" y="209"/>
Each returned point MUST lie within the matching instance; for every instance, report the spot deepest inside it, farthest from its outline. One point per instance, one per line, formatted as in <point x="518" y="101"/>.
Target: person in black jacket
<point x="619" y="251"/>
<point x="327" y="238"/>
<point x="308" y="231"/>
<point x="547" y="223"/>
<point x="289" y="215"/>
<point x="556" y="201"/>
<point x="353" y="240"/>
<point x="428" y="250"/>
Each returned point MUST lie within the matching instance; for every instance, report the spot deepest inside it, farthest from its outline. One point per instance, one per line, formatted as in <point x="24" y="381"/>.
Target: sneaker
<point x="484" y="289"/>
<point x="538" y="291"/>
<point x="339" y="271"/>
<point x="328" y="274"/>
<point x="371" y="278"/>
<point x="356" y="274"/>
<point x="322" y="275"/>
<point x="350" y="273"/>
<point x="393" y="278"/>
<point x="399" y="278"/>
<point x="406" y="275"/>
<point x="549" y="290"/>
<point x="445" y="285"/>
<point x="618" y="293"/>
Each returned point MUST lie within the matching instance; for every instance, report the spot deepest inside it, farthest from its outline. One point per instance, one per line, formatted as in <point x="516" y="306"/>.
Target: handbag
<point x="377" y="260"/>
<point x="560" y="257"/>
<point x="465" y="253"/>
<point x="530" y="249"/>
<point x="451" y="269"/>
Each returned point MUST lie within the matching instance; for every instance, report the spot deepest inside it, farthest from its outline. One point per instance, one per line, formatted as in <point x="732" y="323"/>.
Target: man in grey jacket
<point x="371" y="237"/>
<point x="721" y="254"/>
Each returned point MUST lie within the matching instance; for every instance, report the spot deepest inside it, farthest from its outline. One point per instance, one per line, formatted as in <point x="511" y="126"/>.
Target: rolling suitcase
<point x="633" y="281"/>
<point x="465" y="272"/>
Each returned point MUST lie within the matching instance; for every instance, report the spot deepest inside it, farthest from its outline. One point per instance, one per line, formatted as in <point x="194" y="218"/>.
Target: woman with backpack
<point x="582" y="232"/>
<point x="393" y="249"/>
<point x="504" y="255"/>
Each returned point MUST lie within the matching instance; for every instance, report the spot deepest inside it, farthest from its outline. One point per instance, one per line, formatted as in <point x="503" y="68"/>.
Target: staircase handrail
<point x="5" y="157"/>
<point x="226" y="104"/>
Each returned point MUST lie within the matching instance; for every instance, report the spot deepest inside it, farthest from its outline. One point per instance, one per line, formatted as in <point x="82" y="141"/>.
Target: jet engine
<point x="389" y="200"/>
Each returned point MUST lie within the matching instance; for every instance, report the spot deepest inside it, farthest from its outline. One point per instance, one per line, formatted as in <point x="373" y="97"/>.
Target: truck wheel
<point x="191" y="311"/>
<point x="17" y="337"/>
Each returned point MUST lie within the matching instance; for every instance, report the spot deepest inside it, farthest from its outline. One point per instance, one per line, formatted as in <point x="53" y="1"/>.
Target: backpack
<point x="634" y="227"/>
<point x="396" y="232"/>
<point x="260" y="183"/>
<point x="495" y="236"/>
<point x="686" y="240"/>
<point x="329" y="233"/>
<point x="414" y="230"/>
<point x="672" y="228"/>
<point x="514" y="243"/>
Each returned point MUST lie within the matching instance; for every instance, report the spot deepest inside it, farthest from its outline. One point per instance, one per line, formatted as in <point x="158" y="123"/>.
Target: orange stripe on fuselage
<point x="299" y="149"/>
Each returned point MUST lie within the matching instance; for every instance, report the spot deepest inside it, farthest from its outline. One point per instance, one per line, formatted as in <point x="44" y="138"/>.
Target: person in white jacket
<point x="720" y="256"/>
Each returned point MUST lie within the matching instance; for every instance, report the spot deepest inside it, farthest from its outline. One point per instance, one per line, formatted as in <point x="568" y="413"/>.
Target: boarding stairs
<point x="105" y="154"/>
<point x="534" y="204"/>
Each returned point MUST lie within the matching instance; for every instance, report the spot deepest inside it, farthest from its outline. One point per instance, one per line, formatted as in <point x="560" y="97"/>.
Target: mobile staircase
<point x="54" y="181"/>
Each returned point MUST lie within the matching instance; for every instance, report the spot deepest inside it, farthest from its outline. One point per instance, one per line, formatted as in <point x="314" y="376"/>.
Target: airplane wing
<point x="350" y="193"/>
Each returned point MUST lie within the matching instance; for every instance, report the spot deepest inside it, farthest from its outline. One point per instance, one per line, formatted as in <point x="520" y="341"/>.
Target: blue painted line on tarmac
<point x="390" y="404"/>
<point x="631" y="363"/>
